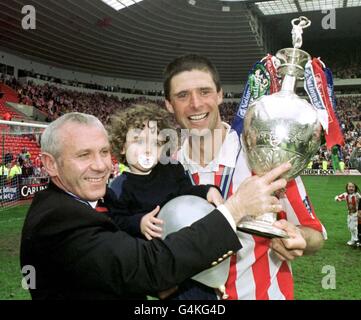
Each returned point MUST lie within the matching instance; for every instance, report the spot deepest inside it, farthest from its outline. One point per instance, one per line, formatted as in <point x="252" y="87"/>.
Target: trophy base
<point x="262" y="229"/>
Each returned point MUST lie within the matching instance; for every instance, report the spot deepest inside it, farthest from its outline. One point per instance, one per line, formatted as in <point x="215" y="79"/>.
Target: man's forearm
<point x="314" y="240"/>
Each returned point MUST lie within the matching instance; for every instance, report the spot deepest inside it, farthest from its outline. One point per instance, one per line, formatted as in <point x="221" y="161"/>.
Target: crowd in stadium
<point x="54" y="102"/>
<point x="349" y="114"/>
<point x="343" y="60"/>
<point x="351" y="72"/>
<point x="94" y="86"/>
<point x="21" y="166"/>
<point x="346" y="66"/>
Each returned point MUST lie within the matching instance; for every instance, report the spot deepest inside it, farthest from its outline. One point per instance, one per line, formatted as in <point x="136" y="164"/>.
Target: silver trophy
<point x="280" y="128"/>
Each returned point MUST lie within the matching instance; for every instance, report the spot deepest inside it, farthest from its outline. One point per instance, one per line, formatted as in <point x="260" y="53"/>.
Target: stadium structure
<point x="97" y="56"/>
<point x="120" y="48"/>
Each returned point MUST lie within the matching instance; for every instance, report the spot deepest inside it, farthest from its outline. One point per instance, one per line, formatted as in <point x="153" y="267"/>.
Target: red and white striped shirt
<point x="255" y="272"/>
<point x="352" y="200"/>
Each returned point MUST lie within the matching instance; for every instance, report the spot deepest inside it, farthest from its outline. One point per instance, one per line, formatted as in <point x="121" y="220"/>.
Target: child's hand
<point x="337" y="199"/>
<point x="213" y="196"/>
<point x="148" y="225"/>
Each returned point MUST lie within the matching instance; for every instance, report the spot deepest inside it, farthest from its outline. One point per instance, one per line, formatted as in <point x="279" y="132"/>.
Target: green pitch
<point x="335" y="254"/>
<point x="11" y="222"/>
<point x="309" y="272"/>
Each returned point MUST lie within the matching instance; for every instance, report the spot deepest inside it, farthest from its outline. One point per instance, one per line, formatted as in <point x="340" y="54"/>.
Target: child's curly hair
<point x="134" y="117"/>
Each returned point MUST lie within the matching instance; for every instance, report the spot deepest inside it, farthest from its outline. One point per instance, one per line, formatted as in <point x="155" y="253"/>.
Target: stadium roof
<point x="138" y="39"/>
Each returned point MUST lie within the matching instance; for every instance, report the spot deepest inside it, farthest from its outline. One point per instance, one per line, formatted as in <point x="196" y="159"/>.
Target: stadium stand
<point x="9" y="95"/>
<point x="14" y="140"/>
<point x="56" y="101"/>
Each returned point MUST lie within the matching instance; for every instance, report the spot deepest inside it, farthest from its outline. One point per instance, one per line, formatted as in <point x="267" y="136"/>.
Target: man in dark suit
<point x="78" y="253"/>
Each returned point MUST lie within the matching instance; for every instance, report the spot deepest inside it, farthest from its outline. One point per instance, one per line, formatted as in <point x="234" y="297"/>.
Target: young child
<point x="352" y="198"/>
<point x="134" y="196"/>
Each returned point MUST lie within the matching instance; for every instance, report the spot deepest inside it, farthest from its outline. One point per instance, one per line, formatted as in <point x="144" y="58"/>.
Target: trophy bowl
<point x="278" y="128"/>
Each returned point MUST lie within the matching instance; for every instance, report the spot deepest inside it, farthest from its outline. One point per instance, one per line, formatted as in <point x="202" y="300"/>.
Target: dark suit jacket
<point x="79" y="253"/>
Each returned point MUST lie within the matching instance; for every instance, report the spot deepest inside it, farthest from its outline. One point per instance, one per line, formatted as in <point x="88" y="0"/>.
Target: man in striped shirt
<point x="212" y="154"/>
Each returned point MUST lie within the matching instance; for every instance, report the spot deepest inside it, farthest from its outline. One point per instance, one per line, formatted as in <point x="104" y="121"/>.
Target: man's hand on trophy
<point x="255" y="196"/>
<point x="292" y="247"/>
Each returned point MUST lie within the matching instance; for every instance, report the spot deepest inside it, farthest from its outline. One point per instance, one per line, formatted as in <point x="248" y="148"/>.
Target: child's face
<point x="350" y="188"/>
<point x="143" y="148"/>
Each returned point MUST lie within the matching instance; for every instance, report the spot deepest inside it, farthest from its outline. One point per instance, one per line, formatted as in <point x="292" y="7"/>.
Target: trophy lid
<point x="293" y="60"/>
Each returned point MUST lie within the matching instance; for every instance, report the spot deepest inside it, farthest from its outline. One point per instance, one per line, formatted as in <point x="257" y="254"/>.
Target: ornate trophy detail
<point x="281" y="127"/>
